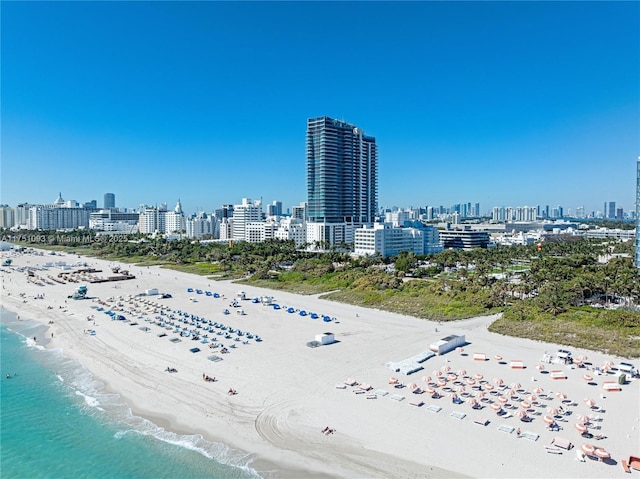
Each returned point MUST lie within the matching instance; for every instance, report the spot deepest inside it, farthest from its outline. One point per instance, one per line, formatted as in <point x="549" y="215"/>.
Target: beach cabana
<point x="611" y="387"/>
<point x="479" y="357"/>
<point x="447" y="344"/>
<point x="325" y="338"/>
<point x="516" y="364"/>
<point x="558" y="374"/>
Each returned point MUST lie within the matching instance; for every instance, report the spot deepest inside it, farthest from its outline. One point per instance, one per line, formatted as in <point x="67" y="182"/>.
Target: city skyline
<point x="496" y="103"/>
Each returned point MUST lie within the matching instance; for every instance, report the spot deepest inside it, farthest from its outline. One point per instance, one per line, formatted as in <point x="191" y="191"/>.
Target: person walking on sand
<point x="518" y="432"/>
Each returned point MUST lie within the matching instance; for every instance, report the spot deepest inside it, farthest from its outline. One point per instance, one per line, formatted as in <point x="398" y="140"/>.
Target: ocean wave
<point x="218" y="452"/>
<point x="89" y="400"/>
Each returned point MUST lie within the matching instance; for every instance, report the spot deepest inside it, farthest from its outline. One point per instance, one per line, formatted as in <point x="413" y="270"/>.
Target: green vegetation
<point x="548" y="295"/>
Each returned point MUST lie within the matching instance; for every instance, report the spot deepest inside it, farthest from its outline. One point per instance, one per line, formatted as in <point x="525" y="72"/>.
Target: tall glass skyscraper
<point x="342" y="173"/>
<point x="637" y="258"/>
<point x="109" y="200"/>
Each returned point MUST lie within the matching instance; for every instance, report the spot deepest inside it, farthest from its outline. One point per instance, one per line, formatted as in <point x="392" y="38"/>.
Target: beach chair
<point x="481" y="422"/>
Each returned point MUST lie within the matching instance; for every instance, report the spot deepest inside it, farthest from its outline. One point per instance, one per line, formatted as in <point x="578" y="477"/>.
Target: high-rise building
<point x="611" y="212"/>
<point x="247" y="212"/>
<point x="637" y="259"/>
<point x="275" y="208"/>
<point x="342" y="173"/>
<point x="109" y="200"/>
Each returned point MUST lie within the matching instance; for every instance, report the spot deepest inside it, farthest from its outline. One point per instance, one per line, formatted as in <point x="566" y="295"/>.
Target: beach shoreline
<point x="287" y="391"/>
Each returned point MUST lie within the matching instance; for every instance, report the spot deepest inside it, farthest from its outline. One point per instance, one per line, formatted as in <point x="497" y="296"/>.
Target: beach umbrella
<point x="471" y="381"/>
<point x="498" y="381"/>
<point x="581" y="428"/>
<point x="540" y="367"/>
<point x="587" y="378"/>
<point x="459" y="349"/>
<point x="461" y="389"/>
<point x="437" y="373"/>
<point x="561" y="396"/>
<point x="442" y="382"/>
<point x="548" y="420"/>
<point x="393" y="380"/>
<point x="510" y="392"/>
<point x="503" y="399"/>
<point x="582" y="357"/>
<point x="426" y="379"/>
<point x="521" y="414"/>
<point x="488" y="387"/>
<point x="531" y="398"/>
<point x="582" y="418"/>
<point x="608" y="364"/>
<point x="413" y="386"/>
<point x="453" y="395"/>
<point x="496" y="407"/>
<point x="451" y="377"/>
<point x="446" y="368"/>
<point x="602" y="454"/>
<point x="515" y="386"/>
<point x="590" y="402"/>
<point x="525" y="405"/>
<point x="554" y="411"/>
<point x="462" y="372"/>
<point x="497" y="357"/>
<point x="472" y="401"/>
<point x="429" y="390"/>
<point x="577" y="362"/>
<point x="479" y="394"/>
<point x="478" y="376"/>
<point x="588" y="449"/>
<point x="538" y="390"/>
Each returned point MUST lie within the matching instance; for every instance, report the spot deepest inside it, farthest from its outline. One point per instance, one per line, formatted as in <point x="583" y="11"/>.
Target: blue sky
<point x="502" y="103"/>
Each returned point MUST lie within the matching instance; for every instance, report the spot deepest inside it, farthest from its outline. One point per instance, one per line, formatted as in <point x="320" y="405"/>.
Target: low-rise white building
<point x="321" y="235"/>
<point x="384" y="239"/>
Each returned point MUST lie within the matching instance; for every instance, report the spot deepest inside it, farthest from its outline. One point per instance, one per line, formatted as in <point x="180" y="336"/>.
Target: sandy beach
<point x="287" y="392"/>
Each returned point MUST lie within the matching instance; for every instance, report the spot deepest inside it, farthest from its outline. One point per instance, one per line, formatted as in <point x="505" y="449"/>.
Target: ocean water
<point x="56" y="421"/>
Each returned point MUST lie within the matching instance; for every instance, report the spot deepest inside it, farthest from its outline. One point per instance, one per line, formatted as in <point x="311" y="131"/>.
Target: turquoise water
<point x="58" y="422"/>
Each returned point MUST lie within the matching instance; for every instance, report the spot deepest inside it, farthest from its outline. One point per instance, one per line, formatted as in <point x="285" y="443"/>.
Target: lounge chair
<point x="481" y="422"/>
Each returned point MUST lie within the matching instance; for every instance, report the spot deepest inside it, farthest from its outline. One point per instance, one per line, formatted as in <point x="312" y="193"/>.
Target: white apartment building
<point x="243" y="214"/>
<point x="397" y="218"/>
<point x="322" y="234"/>
<point x="52" y="217"/>
<point x="152" y="220"/>
<point x="299" y="212"/>
<point x="386" y="240"/>
<point x="200" y="225"/>
<point x="174" y="220"/>
<point x="292" y="229"/>
<point x="114" y="221"/>
<point x="7" y="217"/>
<point x="226" y="229"/>
<point x="158" y="220"/>
<point x="258" y="232"/>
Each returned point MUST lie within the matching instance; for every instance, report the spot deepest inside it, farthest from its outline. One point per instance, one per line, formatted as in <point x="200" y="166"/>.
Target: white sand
<point x="287" y="391"/>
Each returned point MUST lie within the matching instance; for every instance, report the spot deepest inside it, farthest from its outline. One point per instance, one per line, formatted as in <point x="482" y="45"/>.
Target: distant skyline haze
<point x="501" y="103"/>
